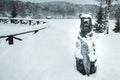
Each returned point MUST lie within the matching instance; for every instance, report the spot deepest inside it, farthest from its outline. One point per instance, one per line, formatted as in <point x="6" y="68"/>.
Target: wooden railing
<point x="10" y="38"/>
<point x="30" y="22"/>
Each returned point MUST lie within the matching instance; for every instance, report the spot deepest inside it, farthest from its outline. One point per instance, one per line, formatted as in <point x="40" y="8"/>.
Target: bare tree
<point x="107" y="13"/>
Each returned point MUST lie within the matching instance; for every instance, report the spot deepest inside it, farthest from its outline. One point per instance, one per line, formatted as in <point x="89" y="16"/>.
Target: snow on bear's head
<point x="85" y="15"/>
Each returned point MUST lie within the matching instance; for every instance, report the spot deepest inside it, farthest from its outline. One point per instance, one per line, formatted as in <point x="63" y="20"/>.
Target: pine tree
<point x="117" y="27"/>
<point x="99" y="25"/>
<point x="117" y="17"/>
<point x="107" y="4"/>
<point x="14" y="8"/>
<point x="14" y="13"/>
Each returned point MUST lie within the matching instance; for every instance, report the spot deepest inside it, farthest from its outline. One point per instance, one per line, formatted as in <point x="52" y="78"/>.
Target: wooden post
<point x="10" y="40"/>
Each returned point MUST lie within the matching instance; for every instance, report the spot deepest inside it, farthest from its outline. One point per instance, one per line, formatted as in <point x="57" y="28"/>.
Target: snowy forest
<point x="57" y="10"/>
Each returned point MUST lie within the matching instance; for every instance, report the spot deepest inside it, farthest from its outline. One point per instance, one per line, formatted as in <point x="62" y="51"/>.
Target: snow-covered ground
<point x="49" y="54"/>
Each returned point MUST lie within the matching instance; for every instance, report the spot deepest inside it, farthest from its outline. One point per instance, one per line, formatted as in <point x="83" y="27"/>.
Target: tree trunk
<point x="107" y="13"/>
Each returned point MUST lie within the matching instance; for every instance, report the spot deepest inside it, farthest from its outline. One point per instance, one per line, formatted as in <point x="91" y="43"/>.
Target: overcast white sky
<point x="72" y="1"/>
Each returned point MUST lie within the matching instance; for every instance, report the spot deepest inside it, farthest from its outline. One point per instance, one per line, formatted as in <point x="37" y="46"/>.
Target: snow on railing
<point x="7" y="20"/>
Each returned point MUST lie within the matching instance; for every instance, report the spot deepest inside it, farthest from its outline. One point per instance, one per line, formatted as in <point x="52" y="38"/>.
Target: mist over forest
<point x="55" y="9"/>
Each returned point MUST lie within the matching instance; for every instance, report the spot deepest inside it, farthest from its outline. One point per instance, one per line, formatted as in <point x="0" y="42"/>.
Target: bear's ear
<point x="80" y="15"/>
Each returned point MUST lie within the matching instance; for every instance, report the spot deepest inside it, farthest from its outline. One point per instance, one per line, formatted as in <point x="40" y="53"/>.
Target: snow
<point x="49" y="54"/>
<point x="71" y="1"/>
<point x="86" y="15"/>
<point x="11" y="29"/>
